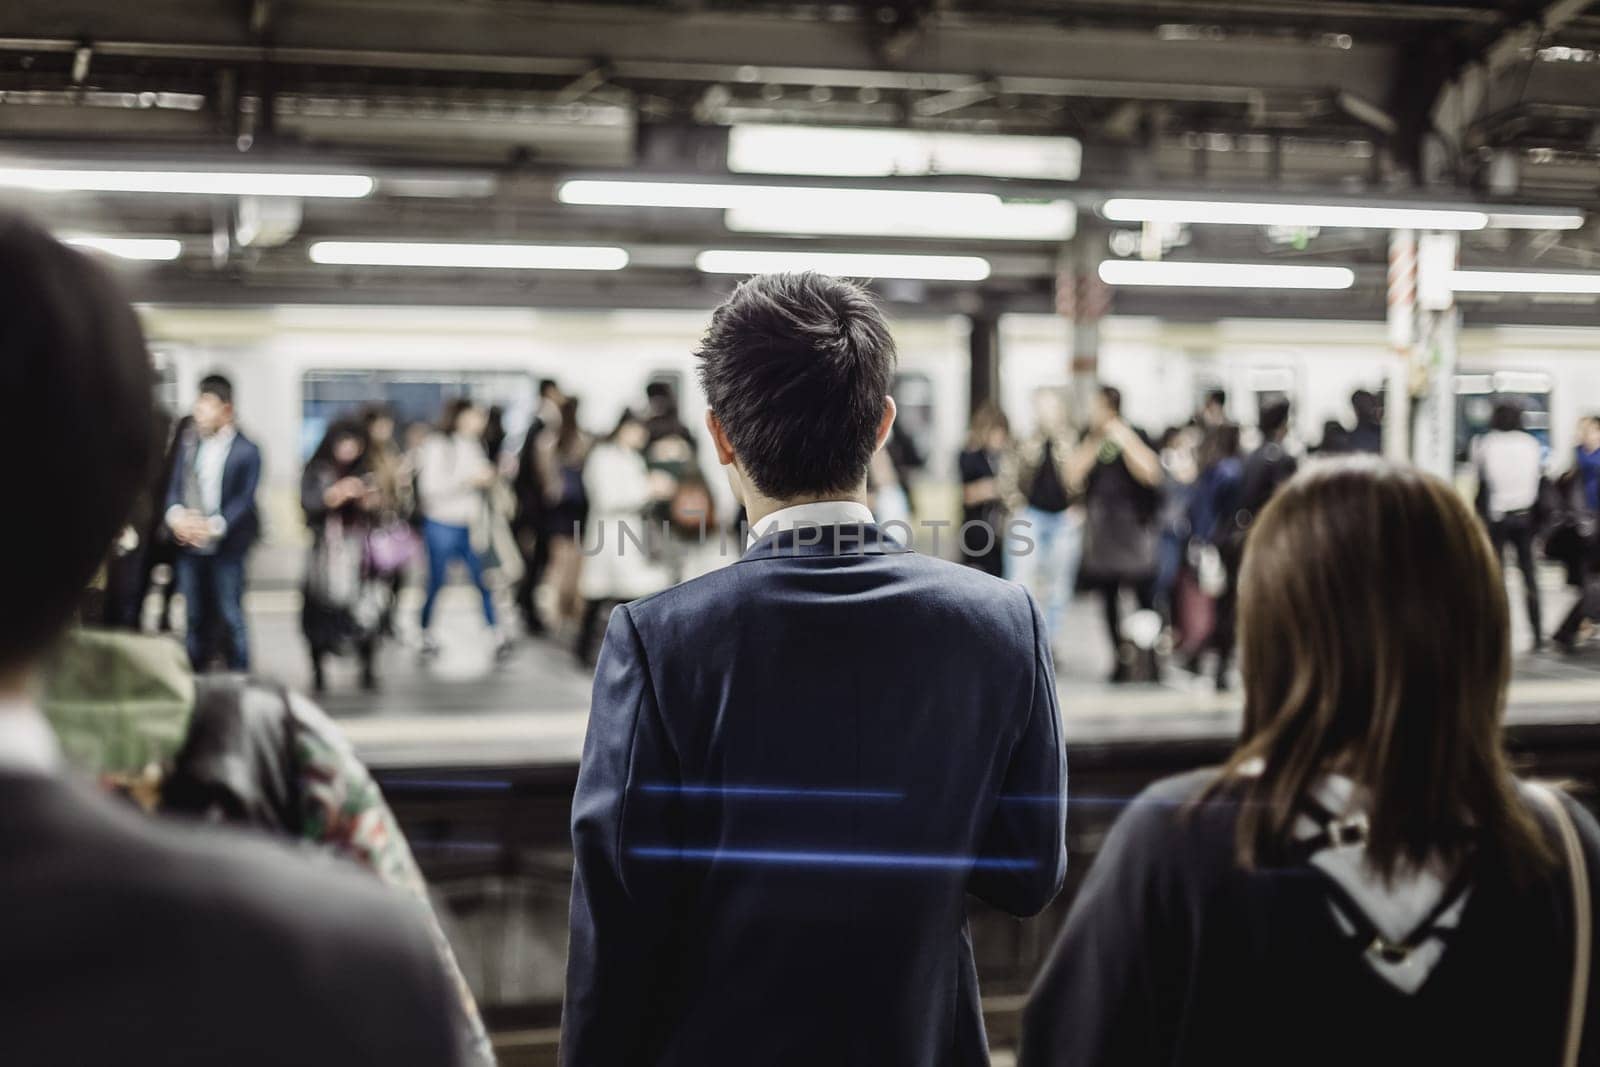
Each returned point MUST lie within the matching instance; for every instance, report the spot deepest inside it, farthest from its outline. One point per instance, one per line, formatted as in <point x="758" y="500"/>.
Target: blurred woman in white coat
<point x="622" y="553"/>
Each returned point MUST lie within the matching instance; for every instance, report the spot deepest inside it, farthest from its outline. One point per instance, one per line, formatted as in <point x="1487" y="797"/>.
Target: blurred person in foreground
<point x="211" y="510"/>
<point x="1365" y="851"/>
<point x="128" y="940"/>
<point x="1510" y="463"/>
<point x="799" y="765"/>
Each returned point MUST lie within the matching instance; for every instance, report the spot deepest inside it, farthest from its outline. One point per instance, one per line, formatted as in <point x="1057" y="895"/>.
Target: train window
<point x="413" y="396"/>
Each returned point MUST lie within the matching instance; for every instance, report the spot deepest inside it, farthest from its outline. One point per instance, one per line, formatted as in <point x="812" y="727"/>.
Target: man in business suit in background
<point x="799" y="765"/>
<point x="211" y="509"/>
<point x="129" y="939"/>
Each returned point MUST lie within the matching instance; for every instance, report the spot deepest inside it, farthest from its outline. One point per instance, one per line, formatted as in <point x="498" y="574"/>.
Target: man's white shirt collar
<point x="817" y="513"/>
<point x="26" y="741"/>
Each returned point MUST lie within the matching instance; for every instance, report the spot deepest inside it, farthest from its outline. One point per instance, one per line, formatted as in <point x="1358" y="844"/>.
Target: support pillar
<point x="984" y="346"/>
<point x="1433" y="439"/>
<point x="1402" y="342"/>
<point x="1084" y="299"/>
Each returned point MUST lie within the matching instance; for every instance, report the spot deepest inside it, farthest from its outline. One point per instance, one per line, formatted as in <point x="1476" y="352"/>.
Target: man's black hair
<point x="1274" y="417"/>
<point x="1113" y="398"/>
<point x="1218" y="397"/>
<point x="218" y="386"/>
<point x="76" y="376"/>
<point x="1506" y="417"/>
<point x="796" y="368"/>
<point x="547" y="384"/>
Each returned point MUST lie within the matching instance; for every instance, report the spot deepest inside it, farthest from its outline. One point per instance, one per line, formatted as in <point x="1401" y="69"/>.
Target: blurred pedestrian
<point x="1036" y="486"/>
<point x="620" y="543"/>
<point x="344" y="605"/>
<point x="569" y="507"/>
<point x="1118" y="473"/>
<point x="983" y="510"/>
<point x="211" y="510"/>
<point x="1366" y="845"/>
<point x="1575" y="535"/>
<point x="1216" y="542"/>
<point x="1510" y="465"/>
<point x="1367" y="436"/>
<point x="453" y="475"/>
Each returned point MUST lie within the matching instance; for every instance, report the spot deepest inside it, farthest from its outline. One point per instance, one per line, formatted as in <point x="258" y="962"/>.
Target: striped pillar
<point x="1402" y="342"/>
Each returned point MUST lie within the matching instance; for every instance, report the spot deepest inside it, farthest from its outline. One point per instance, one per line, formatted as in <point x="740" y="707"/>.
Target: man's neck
<point x="758" y="506"/>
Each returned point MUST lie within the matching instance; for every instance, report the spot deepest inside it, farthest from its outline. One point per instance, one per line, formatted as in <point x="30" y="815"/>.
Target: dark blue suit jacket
<point x="796" y="768"/>
<point x="241" y="475"/>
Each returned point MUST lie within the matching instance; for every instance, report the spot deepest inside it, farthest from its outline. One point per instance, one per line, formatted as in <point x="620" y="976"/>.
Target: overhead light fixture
<point x="1536" y="220"/>
<point x="144" y="248"/>
<point x="845" y="264"/>
<point x="1230" y="213"/>
<point x="881" y="153"/>
<point x="472" y="256"/>
<point x="187" y="182"/>
<point x="826" y="211"/>
<point x="1513" y="281"/>
<point x="1225" y="275"/>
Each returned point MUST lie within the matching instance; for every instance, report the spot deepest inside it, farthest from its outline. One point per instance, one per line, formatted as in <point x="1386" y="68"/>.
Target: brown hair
<point x="1375" y="641"/>
<point x="985" y="420"/>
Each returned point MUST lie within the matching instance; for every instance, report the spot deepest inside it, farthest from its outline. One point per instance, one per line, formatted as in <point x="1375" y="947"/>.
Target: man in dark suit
<point x="799" y="765"/>
<point x="211" y="509"/>
<point x="127" y="940"/>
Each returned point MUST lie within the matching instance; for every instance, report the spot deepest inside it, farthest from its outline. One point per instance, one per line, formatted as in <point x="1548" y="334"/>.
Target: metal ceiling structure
<point x="471" y="112"/>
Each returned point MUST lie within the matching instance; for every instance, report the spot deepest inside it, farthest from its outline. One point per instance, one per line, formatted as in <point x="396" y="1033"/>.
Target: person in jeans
<point x="1510" y="464"/>
<point x="1364" y="881"/>
<point x="453" y="474"/>
<point x="211" y="511"/>
<point x="1046" y="541"/>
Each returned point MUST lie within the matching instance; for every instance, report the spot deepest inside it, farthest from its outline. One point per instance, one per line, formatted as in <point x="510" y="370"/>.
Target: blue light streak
<point x="862" y="860"/>
<point x="478" y="785"/>
<point x="775" y="792"/>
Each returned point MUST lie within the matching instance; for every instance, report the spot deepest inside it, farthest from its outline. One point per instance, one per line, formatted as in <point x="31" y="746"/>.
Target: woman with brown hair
<point x="1364" y="881"/>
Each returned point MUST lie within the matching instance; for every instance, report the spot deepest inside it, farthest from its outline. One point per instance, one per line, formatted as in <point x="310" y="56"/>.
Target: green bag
<point x="118" y="701"/>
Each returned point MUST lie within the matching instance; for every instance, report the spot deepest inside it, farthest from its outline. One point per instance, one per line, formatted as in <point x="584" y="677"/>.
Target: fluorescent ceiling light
<point x="147" y="248"/>
<point x="1226" y="213"/>
<point x="1225" y="275"/>
<point x="979" y="220"/>
<point x="1536" y="220"/>
<point x="845" y="264"/>
<point x="874" y="153"/>
<point x="187" y="182"/>
<point x="1513" y="281"/>
<point x="841" y="212"/>
<point x="486" y="256"/>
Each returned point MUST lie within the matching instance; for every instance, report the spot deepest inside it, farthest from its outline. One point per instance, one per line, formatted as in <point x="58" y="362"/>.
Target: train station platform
<point x="466" y="709"/>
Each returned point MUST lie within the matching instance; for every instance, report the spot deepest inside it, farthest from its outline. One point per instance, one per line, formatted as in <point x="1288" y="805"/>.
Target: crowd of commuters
<point x="798" y="768"/>
<point x="1163" y="523"/>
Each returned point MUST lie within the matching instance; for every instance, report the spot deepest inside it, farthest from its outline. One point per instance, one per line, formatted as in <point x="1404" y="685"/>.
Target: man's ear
<point x="719" y="438"/>
<point x="887" y="422"/>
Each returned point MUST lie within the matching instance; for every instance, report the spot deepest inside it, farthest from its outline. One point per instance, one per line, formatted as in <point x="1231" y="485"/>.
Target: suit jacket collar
<point x="846" y="539"/>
